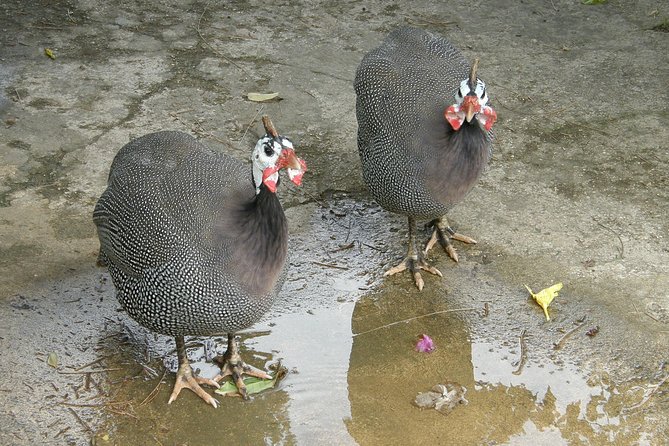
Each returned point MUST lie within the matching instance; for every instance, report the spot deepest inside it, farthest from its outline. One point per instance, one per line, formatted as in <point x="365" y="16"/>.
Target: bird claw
<point x="414" y="265"/>
<point x="186" y="380"/>
<point x="231" y="364"/>
<point x="444" y="236"/>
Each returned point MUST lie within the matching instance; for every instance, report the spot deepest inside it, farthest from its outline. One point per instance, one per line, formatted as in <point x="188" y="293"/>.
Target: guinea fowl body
<point x="413" y="162"/>
<point x="420" y="152"/>
<point x="191" y="248"/>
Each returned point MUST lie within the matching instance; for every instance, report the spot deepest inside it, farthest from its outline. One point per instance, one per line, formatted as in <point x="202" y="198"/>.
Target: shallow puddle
<point x="347" y="339"/>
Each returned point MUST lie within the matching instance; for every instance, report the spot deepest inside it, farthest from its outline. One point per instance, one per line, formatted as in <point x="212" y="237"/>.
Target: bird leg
<point x="187" y="379"/>
<point x="414" y="261"/>
<point x="443" y="234"/>
<point x="232" y="365"/>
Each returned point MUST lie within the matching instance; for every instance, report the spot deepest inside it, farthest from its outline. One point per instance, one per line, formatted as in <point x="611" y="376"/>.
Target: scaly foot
<point x="414" y="264"/>
<point x="232" y="365"/>
<point x="186" y="378"/>
<point x="443" y="234"/>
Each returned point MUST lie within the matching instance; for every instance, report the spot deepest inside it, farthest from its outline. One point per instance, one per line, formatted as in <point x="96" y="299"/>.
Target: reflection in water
<point x="544" y="404"/>
<point x="318" y="346"/>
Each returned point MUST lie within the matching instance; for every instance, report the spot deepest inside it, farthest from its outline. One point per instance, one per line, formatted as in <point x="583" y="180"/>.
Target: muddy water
<point x="347" y="338"/>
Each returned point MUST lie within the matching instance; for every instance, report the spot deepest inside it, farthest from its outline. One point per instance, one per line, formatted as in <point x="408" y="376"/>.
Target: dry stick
<point x="622" y="246"/>
<point x="523" y="354"/>
<point x="414" y="318"/>
<point x="647" y="397"/>
<point x="558" y="345"/>
<point x="83" y="372"/>
<point x="61" y="432"/>
<point x="328" y="265"/>
<point x="82" y="422"/>
<point x="150" y="397"/>
<point x="251" y="123"/>
<point x="344" y="247"/>
<point x="199" y="33"/>
<point x="92" y="363"/>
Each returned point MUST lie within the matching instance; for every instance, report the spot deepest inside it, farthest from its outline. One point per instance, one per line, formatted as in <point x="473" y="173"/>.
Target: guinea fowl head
<point x="471" y="101"/>
<point x="272" y="153"/>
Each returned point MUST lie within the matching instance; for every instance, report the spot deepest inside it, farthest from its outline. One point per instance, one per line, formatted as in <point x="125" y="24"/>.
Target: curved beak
<point x="470" y="105"/>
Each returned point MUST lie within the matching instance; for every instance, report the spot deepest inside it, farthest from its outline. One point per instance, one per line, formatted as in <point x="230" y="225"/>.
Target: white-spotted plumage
<point x="192" y="245"/>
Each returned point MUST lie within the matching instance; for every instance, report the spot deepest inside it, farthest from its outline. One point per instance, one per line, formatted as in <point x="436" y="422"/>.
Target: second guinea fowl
<point x="424" y="134"/>
<point x="196" y="241"/>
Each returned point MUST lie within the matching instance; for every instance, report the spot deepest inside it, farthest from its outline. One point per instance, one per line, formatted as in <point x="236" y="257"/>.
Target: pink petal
<point x="425" y="344"/>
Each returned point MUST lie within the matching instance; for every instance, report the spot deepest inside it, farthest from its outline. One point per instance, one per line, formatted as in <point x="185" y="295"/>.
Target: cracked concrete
<point x="577" y="192"/>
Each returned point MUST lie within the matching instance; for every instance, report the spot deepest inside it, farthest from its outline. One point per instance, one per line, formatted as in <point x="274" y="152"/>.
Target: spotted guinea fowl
<point x="420" y="152"/>
<point x="196" y="241"/>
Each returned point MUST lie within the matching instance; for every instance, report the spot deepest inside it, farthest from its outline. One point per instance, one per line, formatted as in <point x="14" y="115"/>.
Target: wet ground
<point x="577" y="193"/>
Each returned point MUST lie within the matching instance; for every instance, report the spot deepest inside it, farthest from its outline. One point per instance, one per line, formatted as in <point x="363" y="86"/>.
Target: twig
<point x="251" y="123"/>
<point x="622" y="246"/>
<point x="18" y="96"/>
<point x="374" y="248"/>
<point x="92" y="363"/>
<point x="154" y="392"/>
<point x="83" y="372"/>
<point x="558" y="345"/>
<point x="199" y="33"/>
<point x="523" y="353"/>
<point x="647" y="397"/>
<point x="62" y="431"/>
<point x="344" y="247"/>
<point x="414" y="318"/>
<point x="82" y="422"/>
<point x="328" y="265"/>
<point x="651" y="316"/>
<point x="110" y="403"/>
<point x="554" y="7"/>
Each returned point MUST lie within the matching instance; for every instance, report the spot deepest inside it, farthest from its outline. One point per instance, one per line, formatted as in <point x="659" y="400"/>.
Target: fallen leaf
<point x="545" y="297"/>
<point x="262" y="97"/>
<point x="52" y="360"/>
<point x="593" y="2"/>
<point x="49" y="53"/>
<point x="253" y="385"/>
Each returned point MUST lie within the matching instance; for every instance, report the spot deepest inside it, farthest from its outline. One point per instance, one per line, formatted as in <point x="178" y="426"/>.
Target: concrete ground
<point x="577" y="192"/>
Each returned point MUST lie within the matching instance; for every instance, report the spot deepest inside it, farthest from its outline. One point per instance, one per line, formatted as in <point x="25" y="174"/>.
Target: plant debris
<point x="263" y="97"/>
<point x="253" y="385"/>
<point x="49" y="53"/>
<point x="52" y="360"/>
<point x="545" y="297"/>
<point x="523" y="354"/>
<point x="425" y="344"/>
<point x="442" y="397"/>
<point x="593" y="331"/>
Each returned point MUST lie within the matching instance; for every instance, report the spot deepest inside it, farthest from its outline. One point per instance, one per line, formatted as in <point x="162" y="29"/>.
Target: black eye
<point x="459" y="93"/>
<point x="269" y="151"/>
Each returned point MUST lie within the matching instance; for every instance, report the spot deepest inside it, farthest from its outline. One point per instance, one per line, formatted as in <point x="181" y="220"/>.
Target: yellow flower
<point x="546" y="296"/>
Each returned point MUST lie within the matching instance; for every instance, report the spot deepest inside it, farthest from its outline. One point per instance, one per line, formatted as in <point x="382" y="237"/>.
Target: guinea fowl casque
<point x="196" y="241"/>
<point x="420" y="152"/>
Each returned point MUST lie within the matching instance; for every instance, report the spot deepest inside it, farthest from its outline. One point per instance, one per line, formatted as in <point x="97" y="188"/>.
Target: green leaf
<point x="253" y="385"/>
<point x="593" y="2"/>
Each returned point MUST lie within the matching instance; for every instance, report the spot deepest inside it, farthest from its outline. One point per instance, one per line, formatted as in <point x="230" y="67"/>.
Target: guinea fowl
<point x="195" y="241"/>
<point x="420" y="152"/>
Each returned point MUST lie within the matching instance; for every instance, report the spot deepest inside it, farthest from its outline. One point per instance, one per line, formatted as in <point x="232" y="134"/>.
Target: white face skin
<point x="471" y="105"/>
<point x="479" y="91"/>
<point x="265" y="155"/>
